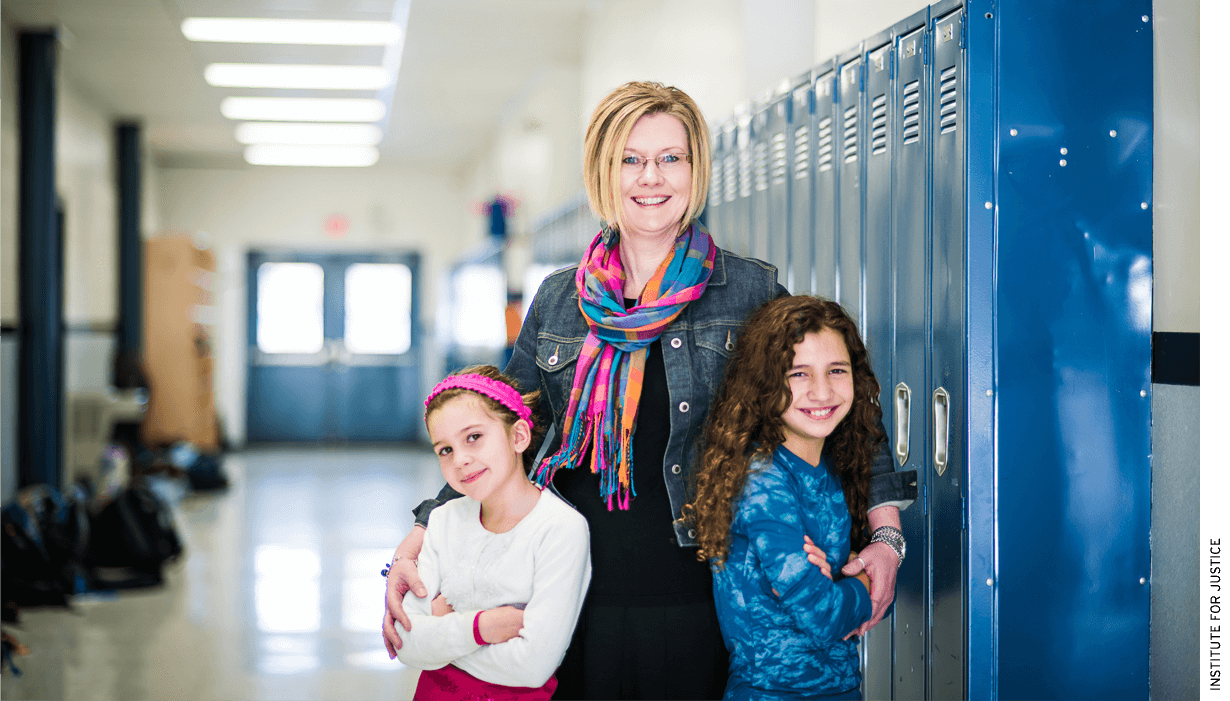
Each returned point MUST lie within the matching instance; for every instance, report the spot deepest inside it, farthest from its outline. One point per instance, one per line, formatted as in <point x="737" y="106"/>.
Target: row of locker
<point x="851" y="183"/>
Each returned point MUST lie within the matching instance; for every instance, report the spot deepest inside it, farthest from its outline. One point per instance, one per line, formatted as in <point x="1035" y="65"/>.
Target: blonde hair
<point x="607" y="136"/>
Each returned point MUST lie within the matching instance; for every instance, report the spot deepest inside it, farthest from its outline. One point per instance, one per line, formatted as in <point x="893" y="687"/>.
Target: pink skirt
<point x="452" y="684"/>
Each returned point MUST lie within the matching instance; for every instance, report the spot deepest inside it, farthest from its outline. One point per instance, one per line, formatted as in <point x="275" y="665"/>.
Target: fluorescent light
<point x="335" y="134"/>
<point x="275" y="75"/>
<point x="284" y="31"/>
<point x="303" y="109"/>
<point x="293" y="155"/>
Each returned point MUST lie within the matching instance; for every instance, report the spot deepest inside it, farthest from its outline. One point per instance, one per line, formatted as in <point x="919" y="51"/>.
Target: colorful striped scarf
<point x="606" y="389"/>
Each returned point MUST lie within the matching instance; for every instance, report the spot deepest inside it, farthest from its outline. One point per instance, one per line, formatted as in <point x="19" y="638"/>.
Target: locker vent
<point x="824" y="144"/>
<point x="948" y="100"/>
<point x="910" y="113"/>
<point x="779" y="164"/>
<point x="715" y="182"/>
<point x="850" y="134"/>
<point x="745" y="172"/>
<point x="800" y="152"/>
<point x="762" y="166"/>
<point x="879" y="125"/>
<point x="730" y="177"/>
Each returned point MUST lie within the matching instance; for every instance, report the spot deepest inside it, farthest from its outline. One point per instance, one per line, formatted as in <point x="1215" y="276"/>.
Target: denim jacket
<point x="695" y="349"/>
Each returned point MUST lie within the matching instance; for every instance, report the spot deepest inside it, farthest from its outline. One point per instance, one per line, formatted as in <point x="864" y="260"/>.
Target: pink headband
<point x="501" y="392"/>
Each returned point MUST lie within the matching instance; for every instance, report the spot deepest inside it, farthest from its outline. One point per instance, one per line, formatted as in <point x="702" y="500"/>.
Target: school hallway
<point x="277" y="595"/>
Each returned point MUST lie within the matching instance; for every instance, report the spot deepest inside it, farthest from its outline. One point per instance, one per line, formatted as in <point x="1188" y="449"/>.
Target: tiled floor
<point x="278" y="594"/>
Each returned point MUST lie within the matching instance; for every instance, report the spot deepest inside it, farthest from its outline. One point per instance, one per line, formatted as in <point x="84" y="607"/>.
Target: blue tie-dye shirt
<point x="789" y="646"/>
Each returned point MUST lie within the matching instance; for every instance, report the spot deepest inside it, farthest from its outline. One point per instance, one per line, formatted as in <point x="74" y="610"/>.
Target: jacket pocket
<point x="715" y="344"/>
<point x="556" y="357"/>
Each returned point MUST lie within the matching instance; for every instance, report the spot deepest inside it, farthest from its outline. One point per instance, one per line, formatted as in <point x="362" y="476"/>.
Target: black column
<point x="40" y="392"/>
<point x="131" y="288"/>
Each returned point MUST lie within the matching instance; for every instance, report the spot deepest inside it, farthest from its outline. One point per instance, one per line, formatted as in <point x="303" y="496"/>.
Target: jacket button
<point x="683" y="407"/>
<point x="692" y="533"/>
<point x="676" y="342"/>
<point x="675" y="469"/>
<point x="553" y="360"/>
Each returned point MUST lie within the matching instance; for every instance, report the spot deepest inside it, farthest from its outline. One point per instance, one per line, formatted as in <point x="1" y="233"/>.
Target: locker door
<point x="740" y="210"/>
<point x="877" y="218"/>
<point x="905" y="412"/>
<point x="800" y="278"/>
<point x="713" y="202"/>
<point x="824" y="184"/>
<point x="777" y="249"/>
<point x="878" y="312"/>
<point x="850" y="191"/>
<point x="730" y="186"/>
<point x="946" y="400"/>
<point x="758" y="206"/>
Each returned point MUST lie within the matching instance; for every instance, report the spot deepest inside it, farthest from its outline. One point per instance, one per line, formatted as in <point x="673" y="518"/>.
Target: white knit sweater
<point x="543" y="563"/>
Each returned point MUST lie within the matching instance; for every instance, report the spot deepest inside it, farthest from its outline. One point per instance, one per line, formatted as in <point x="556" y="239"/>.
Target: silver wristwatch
<point x="893" y="538"/>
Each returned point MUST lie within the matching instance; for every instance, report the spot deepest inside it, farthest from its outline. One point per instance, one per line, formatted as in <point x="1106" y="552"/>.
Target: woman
<point x="628" y="349"/>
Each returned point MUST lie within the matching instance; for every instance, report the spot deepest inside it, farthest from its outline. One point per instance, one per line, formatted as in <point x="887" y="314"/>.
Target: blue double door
<point x="334" y="347"/>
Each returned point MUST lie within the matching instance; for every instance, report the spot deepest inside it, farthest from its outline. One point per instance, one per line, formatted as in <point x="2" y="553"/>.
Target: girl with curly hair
<point x="787" y="466"/>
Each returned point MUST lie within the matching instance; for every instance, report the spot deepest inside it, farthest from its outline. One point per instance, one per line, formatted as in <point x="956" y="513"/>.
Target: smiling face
<point x="822" y="391"/>
<point x="480" y="455"/>
<point x="654" y="200"/>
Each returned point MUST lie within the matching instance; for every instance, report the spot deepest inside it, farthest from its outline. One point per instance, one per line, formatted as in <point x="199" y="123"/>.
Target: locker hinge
<point x="926" y="47"/>
<point x="924" y="496"/>
<point x="964" y="515"/>
<point x="962" y="44"/>
<point x="892" y="62"/>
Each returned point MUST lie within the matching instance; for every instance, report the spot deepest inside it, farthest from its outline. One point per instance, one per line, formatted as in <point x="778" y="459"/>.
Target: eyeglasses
<point x="667" y="162"/>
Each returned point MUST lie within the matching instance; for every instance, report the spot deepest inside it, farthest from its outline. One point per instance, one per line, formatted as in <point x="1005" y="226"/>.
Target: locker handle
<point x="939" y="412"/>
<point x="902" y="414"/>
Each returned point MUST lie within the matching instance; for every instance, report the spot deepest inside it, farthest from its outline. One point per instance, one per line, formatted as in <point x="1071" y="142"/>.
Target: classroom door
<point x="334" y="350"/>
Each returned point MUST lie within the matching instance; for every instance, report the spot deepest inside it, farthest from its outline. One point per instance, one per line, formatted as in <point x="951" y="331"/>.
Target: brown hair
<point x="607" y="136"/>
<point x="504" y="413"/>
<point x="746" y="419"/>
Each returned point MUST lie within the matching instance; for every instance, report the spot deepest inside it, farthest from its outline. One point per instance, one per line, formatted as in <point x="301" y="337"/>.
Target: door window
<point x="290" y="308"/>
<point x="377" y="308"/>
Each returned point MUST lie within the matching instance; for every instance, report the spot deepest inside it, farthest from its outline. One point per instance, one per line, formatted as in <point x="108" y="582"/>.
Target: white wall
<point x="9" y="308"/>
<point x="389" y="208"/>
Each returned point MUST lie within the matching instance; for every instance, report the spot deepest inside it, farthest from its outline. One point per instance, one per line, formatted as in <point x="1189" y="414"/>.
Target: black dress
<point x="648" y="629"/>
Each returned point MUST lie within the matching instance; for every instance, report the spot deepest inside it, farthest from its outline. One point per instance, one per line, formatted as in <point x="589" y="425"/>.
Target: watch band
<point x="893" y="538"/>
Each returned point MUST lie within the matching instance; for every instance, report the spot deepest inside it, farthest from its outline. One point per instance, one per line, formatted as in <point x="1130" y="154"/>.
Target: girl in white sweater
<point x="506" y="567"/>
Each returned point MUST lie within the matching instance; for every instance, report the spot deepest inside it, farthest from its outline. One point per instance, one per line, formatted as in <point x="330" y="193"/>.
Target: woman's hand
<point x="440" y="606"/>
<point x="816" y="557"/>
<point x="500" y="624"/>
<point x="877" y="563"/>
<point x="403" y="577"/>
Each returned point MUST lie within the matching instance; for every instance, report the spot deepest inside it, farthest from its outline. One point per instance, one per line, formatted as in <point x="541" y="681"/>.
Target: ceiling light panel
<point x="291" y="76"/>
<point x="335" y="134"/>
<point x="321" y="156"/>
<point x="303" y="109"/>
<point x="280" y="31"/>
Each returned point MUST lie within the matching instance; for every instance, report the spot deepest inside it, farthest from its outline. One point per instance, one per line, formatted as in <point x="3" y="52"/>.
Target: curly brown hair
<point x="506" y="415"/>
<point x="746" y="419"/>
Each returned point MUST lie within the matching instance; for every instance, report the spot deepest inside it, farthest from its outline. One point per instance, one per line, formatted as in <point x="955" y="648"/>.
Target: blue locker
<point x="740" y="210"/>
<point x="849" y="124"/>
<point x="878" y="263"/>
<point x="905" y="408"/>
<point x="714" y="212"/>
<point x="730" y="185"/>
<point x="946" y="399"/>
<point x="824" y="181"/>
<point x="799" y="278"/>
<point x="758" y="205"/>
<point x="777" y="249"/>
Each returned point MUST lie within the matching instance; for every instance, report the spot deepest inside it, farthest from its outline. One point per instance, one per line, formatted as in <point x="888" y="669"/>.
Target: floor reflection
<point x="278" y="595"/>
